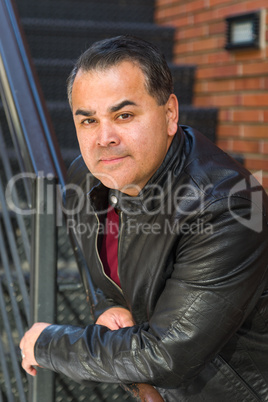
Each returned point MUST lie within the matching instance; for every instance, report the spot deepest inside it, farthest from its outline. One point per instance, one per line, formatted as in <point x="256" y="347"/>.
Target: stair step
<point x="183" y="78"/>
<point x="53" y="74"/>
<point x="203" y="119"/>
<point x="55" y="38"/>
<point x="62" y="119"/>
<point x="101" y="10"/>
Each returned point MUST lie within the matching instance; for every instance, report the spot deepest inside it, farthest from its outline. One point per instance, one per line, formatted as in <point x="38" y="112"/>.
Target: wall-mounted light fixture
<point x="246" y="30"/>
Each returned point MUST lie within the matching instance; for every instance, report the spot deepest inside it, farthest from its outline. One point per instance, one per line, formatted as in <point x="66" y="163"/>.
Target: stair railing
<point x="31" y="167"/>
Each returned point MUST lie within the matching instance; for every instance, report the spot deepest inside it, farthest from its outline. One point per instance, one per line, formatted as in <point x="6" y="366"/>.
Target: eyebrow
<point x="87" y="113"/>
<point x="112" y="109"/>
<point x="122" y="104"/>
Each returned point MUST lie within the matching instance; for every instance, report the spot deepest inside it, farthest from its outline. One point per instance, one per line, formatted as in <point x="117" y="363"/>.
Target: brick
<point x="264" y="147"/>
<point x="218" y="72"/>
<point x="255" y="131"/>
<point x="227" y="100"/>
<point x="249" y="54"/>
<point x="220" y="85"/>
<point x="229" y="131"/>
<point x="256" y="163"/>
<point x="158" y="15"/>
<point x="255" y="4"/>
<point x="264" y="83"/>
<point x="225" y="115"/>
<point x="220" y="56"/>
<point x="246" y="115"/>
<point x="200" y="87"/>
<point x="248" y="83"/>
<point x="191" y="59"/>
<point x="197" y="5"/>
<point x="225" y="145"/>
<point x="182" y="48"/>
<point x="255" y="99"/>
<point x="205" y="16"/>
<point x="218" y="100"/>
<point x="237" y="84"/>
<point x="265" y="115"/>
<point x="245" y="146"/>
<point x="255" y="68"/>
<point x="226" y="11"/>
<point x="171" y="12"/>
<point x="201" y="101"/>
<point x="170" y="9"/>
<point x="217" y="28"/>
<point x="181" y="22"/>
<point x="205" y="44"/>
<point x="191" y="32"/>
<point x="221" y="2"/>
<point x="265" y="182"/>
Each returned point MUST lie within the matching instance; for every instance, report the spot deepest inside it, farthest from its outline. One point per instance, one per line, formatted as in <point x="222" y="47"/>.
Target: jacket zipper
<point x="119" y="242"/>
<point x="99" y="259"/>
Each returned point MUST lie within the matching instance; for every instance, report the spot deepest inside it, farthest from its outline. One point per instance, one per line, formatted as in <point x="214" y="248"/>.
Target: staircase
<point x="59" y="31"/>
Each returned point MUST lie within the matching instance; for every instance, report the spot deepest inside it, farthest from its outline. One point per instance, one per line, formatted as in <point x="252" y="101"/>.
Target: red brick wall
<point x="234" y="81"/>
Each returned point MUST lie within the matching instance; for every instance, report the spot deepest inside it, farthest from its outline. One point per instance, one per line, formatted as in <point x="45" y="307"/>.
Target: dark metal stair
<point x="94" y="10"/>
<point x="69" y="38"/>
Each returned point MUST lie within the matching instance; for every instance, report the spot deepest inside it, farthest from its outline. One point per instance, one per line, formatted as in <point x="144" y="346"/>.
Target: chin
<point x="108" y="180"/>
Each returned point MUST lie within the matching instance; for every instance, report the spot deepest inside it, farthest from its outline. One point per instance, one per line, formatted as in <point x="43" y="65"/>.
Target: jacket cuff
<point x="43" y="344"/>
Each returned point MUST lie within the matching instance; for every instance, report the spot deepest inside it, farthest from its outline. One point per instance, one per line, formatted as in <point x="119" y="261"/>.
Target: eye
<point x="87" y="122"/>
<point x="124" y="116"/>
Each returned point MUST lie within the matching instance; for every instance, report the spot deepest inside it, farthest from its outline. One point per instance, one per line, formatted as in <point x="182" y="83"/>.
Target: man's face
<point x="122" y="132"/>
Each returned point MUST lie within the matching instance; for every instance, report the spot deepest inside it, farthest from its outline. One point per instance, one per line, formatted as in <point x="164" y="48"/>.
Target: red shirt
<point x="109" y="249"/>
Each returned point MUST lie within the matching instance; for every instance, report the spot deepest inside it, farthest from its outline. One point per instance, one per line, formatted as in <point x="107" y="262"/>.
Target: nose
<point x="107" y="135"/>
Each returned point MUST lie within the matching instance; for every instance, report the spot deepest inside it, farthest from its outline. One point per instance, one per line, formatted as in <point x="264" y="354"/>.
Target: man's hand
<point x="119" y="317"/>
<point x="115" y="318"/>
<point x="27" y="347"/>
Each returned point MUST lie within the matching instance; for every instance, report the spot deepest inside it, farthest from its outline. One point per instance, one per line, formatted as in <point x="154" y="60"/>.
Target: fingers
<point x="127" y="322"/>
<point x="28" y="367"/>
<point x="113" y="326"/>
<point x="27" y="348"/>
<point x="115" y="318"/>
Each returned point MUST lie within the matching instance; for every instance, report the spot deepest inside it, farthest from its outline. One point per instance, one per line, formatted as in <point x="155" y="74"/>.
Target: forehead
<point x="125" y="73"/>
<point x="121" y="80"/>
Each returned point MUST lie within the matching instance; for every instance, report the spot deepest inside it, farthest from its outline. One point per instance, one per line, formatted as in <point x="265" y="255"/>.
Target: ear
<point x="172" y="115"/>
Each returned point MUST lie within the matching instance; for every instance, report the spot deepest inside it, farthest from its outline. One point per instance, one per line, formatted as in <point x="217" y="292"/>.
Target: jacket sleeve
<point x="217" y="279"/>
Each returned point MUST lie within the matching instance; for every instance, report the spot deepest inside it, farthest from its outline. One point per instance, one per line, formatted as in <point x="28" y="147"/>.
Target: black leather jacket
<point x="193" y="270"/>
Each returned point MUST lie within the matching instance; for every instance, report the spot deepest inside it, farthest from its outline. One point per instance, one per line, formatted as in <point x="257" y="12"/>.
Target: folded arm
<point x="215" y="283"/>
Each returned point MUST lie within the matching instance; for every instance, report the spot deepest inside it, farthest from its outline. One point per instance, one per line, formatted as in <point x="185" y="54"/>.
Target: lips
<point x="111" y="159"/>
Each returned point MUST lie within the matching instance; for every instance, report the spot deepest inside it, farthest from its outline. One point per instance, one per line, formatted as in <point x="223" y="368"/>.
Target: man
<point x="176" y="243"/>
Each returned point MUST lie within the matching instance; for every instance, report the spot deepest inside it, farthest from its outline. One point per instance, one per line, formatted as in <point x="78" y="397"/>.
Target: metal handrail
<point x="37" y="153"/>
<point x="24" y="97"/>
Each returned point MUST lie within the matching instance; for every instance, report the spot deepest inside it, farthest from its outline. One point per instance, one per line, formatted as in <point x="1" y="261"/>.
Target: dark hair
<point x="109" y="52"/>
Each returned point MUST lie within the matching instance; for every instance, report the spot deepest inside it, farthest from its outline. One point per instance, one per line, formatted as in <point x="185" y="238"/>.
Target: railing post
<point x="43" y="276"/>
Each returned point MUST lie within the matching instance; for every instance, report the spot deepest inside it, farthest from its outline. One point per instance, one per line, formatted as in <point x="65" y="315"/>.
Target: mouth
<point x="111" y="159"/>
